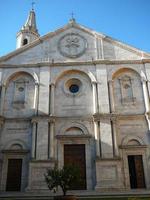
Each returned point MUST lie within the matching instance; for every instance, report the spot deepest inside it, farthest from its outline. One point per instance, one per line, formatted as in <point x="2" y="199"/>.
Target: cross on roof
<point x="72" y="15"/>
<point x="33" y="3"/>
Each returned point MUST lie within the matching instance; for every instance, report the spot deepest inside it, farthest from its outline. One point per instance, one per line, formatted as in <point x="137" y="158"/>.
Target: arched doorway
<point x="15" y="167"/>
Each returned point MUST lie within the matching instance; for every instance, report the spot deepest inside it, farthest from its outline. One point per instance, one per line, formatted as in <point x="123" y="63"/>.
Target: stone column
<point x="114" y="136"/>
<point x="112" y="103"/>
<point x="34" y="135"/>
<point x="94" y="90"/>
<point x="146" y="100"/>
<point x="36" y="96"/>
<point x="52" y="86"/>
<point x="3" y="91"/>
<point x="1" y="160"/>
<point x="97" y="138"/>
<point x="106" y="137"/>
<point x="51" y="137"/>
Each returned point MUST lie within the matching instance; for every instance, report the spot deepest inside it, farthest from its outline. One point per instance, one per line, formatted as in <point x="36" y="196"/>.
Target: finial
<point x="72" y="18"/>
<point x="72" y="15"/>
<point x="33" y="3"/>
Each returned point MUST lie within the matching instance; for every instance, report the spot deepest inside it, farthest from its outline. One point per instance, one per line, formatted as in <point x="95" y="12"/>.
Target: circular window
<point x="21" y="89"/>
<point x="74" y="88"/>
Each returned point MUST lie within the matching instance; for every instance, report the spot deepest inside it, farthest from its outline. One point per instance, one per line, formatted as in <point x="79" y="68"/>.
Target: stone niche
<point x="108" y="175"/>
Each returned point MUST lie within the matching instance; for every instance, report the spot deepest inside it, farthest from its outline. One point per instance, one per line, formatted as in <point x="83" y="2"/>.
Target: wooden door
<point x="75" y="154"/>
<point x="14" y="171"/>
<point x="136" y="171"/>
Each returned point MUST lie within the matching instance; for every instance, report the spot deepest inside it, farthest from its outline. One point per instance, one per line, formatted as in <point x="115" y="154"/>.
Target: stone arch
<point x="73" y="126"/>
<point x="88" y="74"/>
<point x="10" y="75"/>
<point x="124" y="70"/>
<point x="25" y="41"/>
<point x="129" y="139"/>
<point x="124" y="86"/>
<point x="18" y="143"/>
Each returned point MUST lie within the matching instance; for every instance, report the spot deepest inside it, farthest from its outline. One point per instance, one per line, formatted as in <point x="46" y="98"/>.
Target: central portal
<point x="75" y="154"/>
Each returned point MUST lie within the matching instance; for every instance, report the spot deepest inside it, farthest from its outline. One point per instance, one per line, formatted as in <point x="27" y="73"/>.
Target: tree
<point x="67" y="178"/>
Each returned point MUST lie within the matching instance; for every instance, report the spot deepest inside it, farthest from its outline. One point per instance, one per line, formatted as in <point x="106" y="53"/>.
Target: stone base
<point x="109" y="175"/>
<point x="37" y="169"/>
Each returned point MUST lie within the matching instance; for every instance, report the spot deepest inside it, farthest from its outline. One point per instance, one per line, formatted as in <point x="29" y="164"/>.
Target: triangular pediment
<point x="72" y="43"/>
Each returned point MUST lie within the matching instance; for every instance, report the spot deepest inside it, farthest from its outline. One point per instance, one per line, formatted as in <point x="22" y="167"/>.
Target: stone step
<point x="80" y="194"/>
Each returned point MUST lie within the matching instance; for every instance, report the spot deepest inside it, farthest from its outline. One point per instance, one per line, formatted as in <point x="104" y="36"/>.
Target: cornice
<point x="132" y="146"/>
<point x="75" y="63"/>
<point x="95" y="117"/>
<point x="73" y="136"/>
<point x="71" y="118"/>
<point x="121" y="44"/>
<point x="17" y="119"/>
<point x="116" y="116"/>
<point x="11" y="151"/>
<point x="114" y="159"/>
<point x="47" y="118"/>
<point x="43" y="161"/>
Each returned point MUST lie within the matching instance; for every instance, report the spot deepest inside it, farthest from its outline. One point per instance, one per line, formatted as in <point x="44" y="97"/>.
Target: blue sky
<point x="125" y="20"/>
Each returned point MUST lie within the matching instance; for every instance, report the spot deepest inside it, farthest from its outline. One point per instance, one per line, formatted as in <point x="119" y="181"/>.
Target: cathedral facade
<point x="74" y="96"/>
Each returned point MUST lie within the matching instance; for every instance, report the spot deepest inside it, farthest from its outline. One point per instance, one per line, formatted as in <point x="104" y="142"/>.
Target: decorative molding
<point x="84" y="136"/>
<point x="105" y="116"/>
<point x="116" y="116"/>
<point x="75" y="63"/>
<point x="2" y="120"/>
<point x="133" y="146"/>
<point x="129" y="138"/>
<point x="44" y="118"/>
<point x="72" y="45"/>
<point x="15" y="151"/>
<point x="43" y="161"/>
<point x="117" y="159"/>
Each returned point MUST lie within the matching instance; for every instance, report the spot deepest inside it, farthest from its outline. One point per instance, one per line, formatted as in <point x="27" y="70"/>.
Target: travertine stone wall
<point x="109" y="113"/>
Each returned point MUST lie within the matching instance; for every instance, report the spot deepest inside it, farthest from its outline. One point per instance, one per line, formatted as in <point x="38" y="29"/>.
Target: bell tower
<point x="28" y="32"/>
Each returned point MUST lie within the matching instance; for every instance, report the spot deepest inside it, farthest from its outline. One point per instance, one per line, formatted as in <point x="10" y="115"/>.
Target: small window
<point x="74" y="88"/>
<point x="25" y="41"/>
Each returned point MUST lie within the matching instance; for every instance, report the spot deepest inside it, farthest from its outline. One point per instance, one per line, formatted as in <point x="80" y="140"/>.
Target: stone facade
<point x="75" y="86"/>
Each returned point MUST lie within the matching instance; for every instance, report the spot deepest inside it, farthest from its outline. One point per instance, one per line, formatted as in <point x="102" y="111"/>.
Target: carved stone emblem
<point x="72" y="45"/>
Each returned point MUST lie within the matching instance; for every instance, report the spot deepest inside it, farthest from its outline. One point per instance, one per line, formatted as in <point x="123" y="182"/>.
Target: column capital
<point x="148" y="114"/>
<point x="110" y="81"/>
<point x="51" y="120"/>
<point x="36" y="84"/>
<point x="105" y="116"/>
<point x="113" y="117"/>
<point x="34" y="120"/>
<point x="2" y="120"/>
<point x="52" y="84"/>
<point x="144" y="80"/>
<point x="94" y="82"/>
<point x="3" y="85"/>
